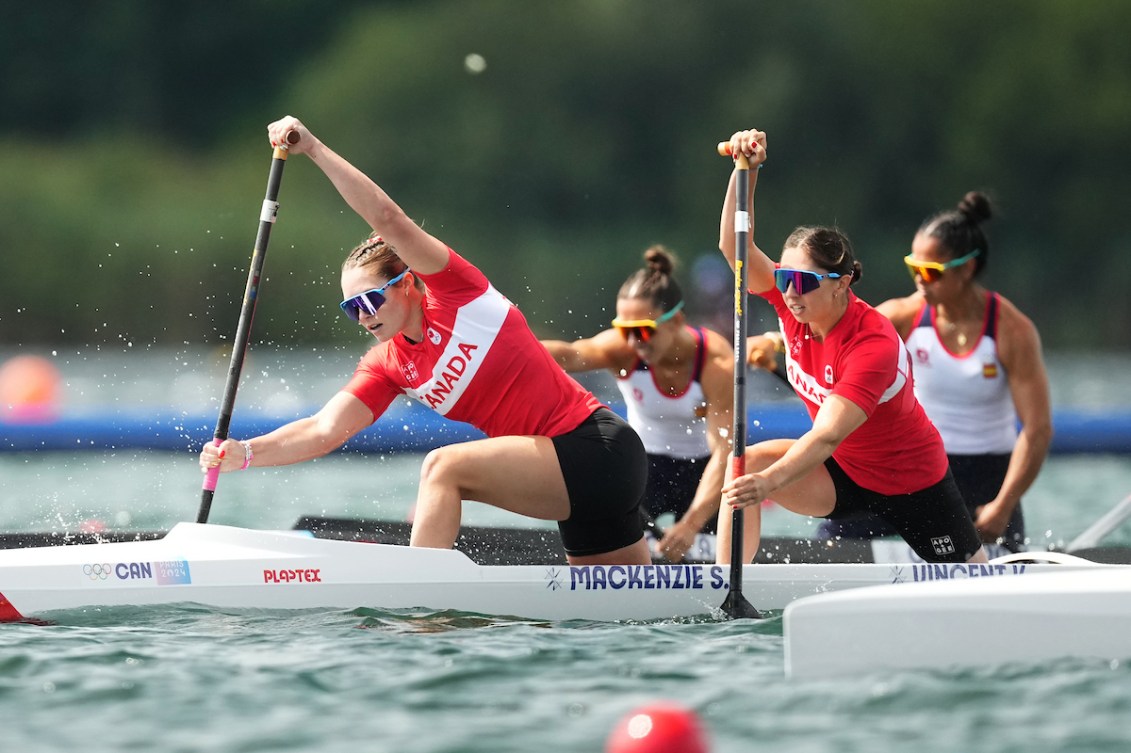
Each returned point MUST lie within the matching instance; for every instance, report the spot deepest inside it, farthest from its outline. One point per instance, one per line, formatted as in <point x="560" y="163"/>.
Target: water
<point x="189" y="679"/>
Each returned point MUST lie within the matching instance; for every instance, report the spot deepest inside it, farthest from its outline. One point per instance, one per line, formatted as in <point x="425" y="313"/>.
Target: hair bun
<point x="975" y="206"/>
<point x="659" y="259"/>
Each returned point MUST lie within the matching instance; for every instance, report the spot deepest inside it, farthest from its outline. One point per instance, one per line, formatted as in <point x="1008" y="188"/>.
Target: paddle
<point x="658" y="533"/>
<point x="736" y="604"/>
<point x="247" y="313"/>
<point x="655" y="529"/>
<point x="1111" y="520"/>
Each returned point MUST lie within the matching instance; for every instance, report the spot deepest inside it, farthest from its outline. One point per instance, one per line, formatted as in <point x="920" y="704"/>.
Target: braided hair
<point x="377" y="255"/>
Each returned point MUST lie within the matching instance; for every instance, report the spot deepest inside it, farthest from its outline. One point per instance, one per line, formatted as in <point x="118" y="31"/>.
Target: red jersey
<point x="479" y="363"/>
<point x="897" y="450"/>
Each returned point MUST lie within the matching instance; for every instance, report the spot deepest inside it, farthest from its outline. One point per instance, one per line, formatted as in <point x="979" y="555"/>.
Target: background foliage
<point x="133" y="154"/>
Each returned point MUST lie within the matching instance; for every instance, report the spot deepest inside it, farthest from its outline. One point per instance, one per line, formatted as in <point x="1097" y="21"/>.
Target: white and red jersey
<point x="671" y="425"/>
<point x="967" y="396"/>
<point x="897" y="450"/>
<point x="478" y="362"/>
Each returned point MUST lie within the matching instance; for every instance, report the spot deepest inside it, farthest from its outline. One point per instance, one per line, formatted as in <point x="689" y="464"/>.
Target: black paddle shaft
<point x="736" y="605"/>
<point x="247" y="314"/>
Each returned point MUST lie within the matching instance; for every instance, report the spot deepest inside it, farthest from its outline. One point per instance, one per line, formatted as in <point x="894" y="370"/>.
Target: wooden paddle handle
<point x="741" y="162"/>
<point x="291" y="139"/>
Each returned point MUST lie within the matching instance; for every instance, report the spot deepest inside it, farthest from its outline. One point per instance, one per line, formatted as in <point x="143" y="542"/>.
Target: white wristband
<point x="247" y="454"/>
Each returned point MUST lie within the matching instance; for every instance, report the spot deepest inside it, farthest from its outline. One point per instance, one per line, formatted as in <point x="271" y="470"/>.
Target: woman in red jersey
<point x="448" y="339"/>
<point x="872" y="447"/>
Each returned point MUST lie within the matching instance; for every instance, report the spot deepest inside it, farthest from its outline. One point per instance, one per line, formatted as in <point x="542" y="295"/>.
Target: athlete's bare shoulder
<point x="902" y="311"/>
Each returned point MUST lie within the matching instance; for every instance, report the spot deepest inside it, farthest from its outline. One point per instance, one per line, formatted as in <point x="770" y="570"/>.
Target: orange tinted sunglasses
<point x="643" y="329"/>
<point x="932" y="271"/>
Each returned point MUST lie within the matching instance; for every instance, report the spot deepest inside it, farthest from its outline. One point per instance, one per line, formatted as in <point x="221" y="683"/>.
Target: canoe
<point x="1066" y="614"/>
<point x="237" y="568"/>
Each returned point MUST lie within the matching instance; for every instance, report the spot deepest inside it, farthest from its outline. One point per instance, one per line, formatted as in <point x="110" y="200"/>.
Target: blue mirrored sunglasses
<point x="803" y="280"/>
<point x="370" y="300"/>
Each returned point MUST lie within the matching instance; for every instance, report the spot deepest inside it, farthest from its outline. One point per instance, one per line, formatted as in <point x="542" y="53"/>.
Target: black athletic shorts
<point x="605" y="471"/>
<point x="672" y="483"/>
<point x="979" y="477"/>
<point x="933" y="521"/>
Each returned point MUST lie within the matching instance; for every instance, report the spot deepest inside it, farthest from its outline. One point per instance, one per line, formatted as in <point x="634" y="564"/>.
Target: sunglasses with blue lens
<point x="803" y="280"/>
<point x="370" y="300"/>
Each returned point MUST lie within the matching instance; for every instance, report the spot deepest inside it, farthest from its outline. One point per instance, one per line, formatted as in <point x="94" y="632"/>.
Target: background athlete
<point x="871" y="447"/>
<point x="448" y="339"/>
<point x="678" y="387"/>
<point x="978" y="369"/>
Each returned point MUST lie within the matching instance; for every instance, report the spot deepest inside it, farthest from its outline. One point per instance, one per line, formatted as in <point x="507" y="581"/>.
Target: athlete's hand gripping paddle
<point x="736" y="604"/>
<point x="247" y="314"/>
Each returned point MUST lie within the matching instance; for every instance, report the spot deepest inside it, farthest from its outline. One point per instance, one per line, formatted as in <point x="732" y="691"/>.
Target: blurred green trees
<point x="134" y="160"/>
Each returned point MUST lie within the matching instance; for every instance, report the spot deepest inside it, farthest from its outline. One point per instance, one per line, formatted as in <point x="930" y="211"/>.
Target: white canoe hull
<point x="226" y="567"/>
<point x="1082" y="614"/>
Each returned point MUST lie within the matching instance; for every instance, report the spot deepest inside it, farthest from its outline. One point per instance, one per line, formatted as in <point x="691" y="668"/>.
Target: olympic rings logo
<point x="98" y="571"/>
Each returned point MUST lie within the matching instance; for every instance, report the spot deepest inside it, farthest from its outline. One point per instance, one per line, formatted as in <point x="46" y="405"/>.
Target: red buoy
<point x="658" y="728"/>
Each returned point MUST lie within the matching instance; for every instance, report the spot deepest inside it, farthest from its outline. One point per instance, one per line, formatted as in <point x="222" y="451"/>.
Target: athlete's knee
<point x="439" y="467"/>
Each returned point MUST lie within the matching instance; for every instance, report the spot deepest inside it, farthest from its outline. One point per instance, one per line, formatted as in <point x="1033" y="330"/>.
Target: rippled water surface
<point x="185" y="679"/>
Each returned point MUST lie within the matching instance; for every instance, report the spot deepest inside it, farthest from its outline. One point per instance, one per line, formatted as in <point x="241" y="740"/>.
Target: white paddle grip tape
<point x="742" y="222"/>
<point x="270" y="209"/>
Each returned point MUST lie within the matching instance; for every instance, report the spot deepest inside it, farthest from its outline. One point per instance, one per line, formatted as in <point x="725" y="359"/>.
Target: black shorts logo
<point x="942" y="544"/>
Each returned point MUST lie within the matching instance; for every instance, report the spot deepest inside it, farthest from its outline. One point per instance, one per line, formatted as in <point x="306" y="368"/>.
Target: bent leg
<point x="751" y="533"/>
<point x="934" y="522"/>
<point x="520" y="474"/>
<point x="812" y="495"/>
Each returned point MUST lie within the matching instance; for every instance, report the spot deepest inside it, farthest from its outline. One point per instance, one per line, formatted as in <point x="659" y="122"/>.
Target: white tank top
<point x="674" y="426"/>
<point x="966" y="397"/>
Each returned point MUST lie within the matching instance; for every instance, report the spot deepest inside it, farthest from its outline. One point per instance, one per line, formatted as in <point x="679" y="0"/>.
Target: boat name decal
<point x="646" y="577"/>
<point x="164" y="573"/>
<point x="948" y="571"/>
<point x="301" y="575"/>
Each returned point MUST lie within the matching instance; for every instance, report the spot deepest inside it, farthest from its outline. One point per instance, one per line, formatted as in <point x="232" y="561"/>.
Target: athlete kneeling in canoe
<point x="678" y="387"/>
<point x="872" y="447"/>
<point x="451" y="341"/>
